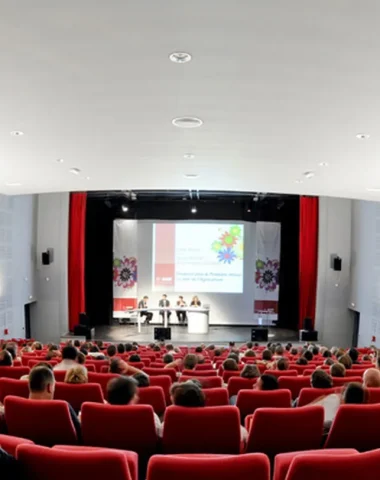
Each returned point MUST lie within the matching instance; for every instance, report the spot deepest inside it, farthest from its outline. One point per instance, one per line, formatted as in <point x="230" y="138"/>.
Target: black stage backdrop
<point x="103" y="208"/>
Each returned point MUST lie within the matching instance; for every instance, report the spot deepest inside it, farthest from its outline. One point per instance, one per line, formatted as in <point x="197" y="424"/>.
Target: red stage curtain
<point x="308" y="258"/>
<point x="77" y="230"/>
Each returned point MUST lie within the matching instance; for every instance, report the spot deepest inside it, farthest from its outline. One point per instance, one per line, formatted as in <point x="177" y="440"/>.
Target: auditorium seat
<point x="294" y="384"/>
<point x="293" y="429"/>
<point x="201" y="430"/>
<point x="102" y="379"/>
<point x="46" y="422"/>
<point x="153" y="396"/>
<point x="14" y="372"/>
<point x="204" y="366"/>
<point x="355" y="426"/>
<point x="46" y="463"/>
<point x="129" y="427"/>
<point x="33" y="362"/>
<point x="171" y="372"/>
<point x="26" y="357"/>
<point x="283" y="460"/>
<point x="229" y="374"/>
<point x="209" y="467"/>
<point x="340" y="381"/>
<point x="373" y="394"/>
<point x="200" y="373"/>
<point x="239" y="383"/>
<point x="165" y="382"/>
<point x="76" y="395"/>
<point x="215" y="397"/>
<point x="281" y="373"/>
<point x="348" y="467"/>
<point x="90" y="367"/>
<point x="207" y="382"/>
<point x="145" y="361"/>
<point x="308" y="395"/>
<point x="139" y="365"/>
<point x="300" y="368"/>
<point x="354" y="372"/>
<point x="249" y="400"/>
<point x="10" y="443"/>
<point x="11" y="386"/>
<point x="97" y="363"/>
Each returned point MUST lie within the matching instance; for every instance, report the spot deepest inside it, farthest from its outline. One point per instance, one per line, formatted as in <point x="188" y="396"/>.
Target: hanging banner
<point x="124" y="266"/>
<point x="267" y="274"/>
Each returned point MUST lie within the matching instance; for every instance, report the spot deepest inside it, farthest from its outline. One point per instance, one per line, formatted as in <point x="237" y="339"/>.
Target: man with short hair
<point x="371" y="378"/>
<point x="282" y="364"/>
<point x="181" y="314"/>
<point x="69" y="356"/>
<point x="143" y="307"/>
<point x="337" y="370"/>
<point x="164" y="303"/>
<point x="321" y="379"/>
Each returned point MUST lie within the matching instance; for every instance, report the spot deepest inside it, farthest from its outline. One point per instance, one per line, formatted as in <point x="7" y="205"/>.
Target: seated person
<point x="371" y="378"/>
<point x="190" y="361"/>
<point x="69" y="357"/>
<point x="168" y="358"/>
<point x="111" y="351"/>
<point x="164" y="303"/>
<point x="249" y="353"/>
<point x="118" y="365"/>
<point x="76" y="375"/>
<point x="142" y="379"/>
<point x="354" y="355"/>
<point x="338" y="370"/>
<point x="195" y="302"/>
<point x="282" y="364"/>
<point x="267" y="358"/>
<point x="134" y="358"/>
<point x="266" y="383"/>
<point x="230" y="365"/>
<point x="250" y="371"/>
<point x="124" y="391"/>
<point x="181" y="315"/>
<point x="143" y="305"/>
<point x="5" y="359"/>
<point x="346" y="361"/>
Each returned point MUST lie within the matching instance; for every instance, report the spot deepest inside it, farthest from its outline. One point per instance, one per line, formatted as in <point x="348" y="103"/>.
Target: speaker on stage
<point x="259" y="334"/>
<point x="81" y="330"/>
<point x="162" y="333"/>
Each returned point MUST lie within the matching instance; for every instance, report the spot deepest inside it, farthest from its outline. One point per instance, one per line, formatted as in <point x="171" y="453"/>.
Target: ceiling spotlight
<point x="189" y="156"/>
<point x="88" y="178"/>
<point x="124" y="208"/>
<point x="256" y="198"/>
<point x="363" y="136"/>
<point x="17" y="133"/>
<point x="248" y="210"/>
<point x="193" y="209"/>
<point x="187" y="122"/>
<point x="13" y="184"/>
<point x="191" y="176"/>
<point x="74" y="171"/>
<point x="180" y="57"/>
<point x="59" y="160"/>
<point x="309" y="174"/>
<point x="323" y="164"/>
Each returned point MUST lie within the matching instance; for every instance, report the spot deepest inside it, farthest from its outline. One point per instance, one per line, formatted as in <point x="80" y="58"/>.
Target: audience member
<point x="134" y="358"/>
<point x="168" y="358"/>
<point x="76" y="375"/>
<point x="142" y="379"/>
<point x="321" y="379"/>
<point x="250" y="371"/>
<point x="354" y="355"/>
<point x="230" y="365"/>
<point x="282" y="364"/>
<point x="308" y="355"/>
<point x="337" y="370"/>
<point x="329" y="361"/>
<point x="249" y="353"/>
<point x="346" y="361"/>
<point x="266" y="382"/>
<point x="111" y="351"/>
<point x="118" y="365"/>
<point x="190" y="361"/>
<point x="5" y="359"/>
<point x="301" y="361"/>
<point x="371" y="378"/>
<point x="120" y="349"/>
<point x="69" y="357"/>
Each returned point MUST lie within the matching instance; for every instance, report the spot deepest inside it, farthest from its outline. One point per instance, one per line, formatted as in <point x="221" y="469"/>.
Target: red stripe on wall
<point x="164" y="268"/>
<point x="121" y="304"/>
<point x="266" y="305"/>
<point x="76" y="260"/>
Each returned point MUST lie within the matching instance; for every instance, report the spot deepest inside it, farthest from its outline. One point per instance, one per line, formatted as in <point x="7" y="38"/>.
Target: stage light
<point x="193" y="209"/>
<point x="125" y="208"/>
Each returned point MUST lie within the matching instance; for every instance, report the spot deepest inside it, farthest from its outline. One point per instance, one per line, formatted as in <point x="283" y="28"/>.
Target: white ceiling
<point x="280" y="85"/>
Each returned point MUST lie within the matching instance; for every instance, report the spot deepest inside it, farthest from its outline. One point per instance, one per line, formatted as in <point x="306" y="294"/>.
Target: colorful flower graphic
<point x="227" y="255"/>
<point x="125" y="272"/>
<point x="267" y="274"/>
<point x="228" y="240"/>
<point x="235" y="230"/>
<point x="216" y="246"/>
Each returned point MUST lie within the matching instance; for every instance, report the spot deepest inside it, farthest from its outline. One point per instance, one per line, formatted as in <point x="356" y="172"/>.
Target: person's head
<point x="231" y="344"/>
<point x="190" y="361"/>
<point x="308" y="355"/>
<point x="279" y="350"/>
<point x="198" y="349"/>
<point x="288" y="347"/>
<point x="187" y="394"/>
<point x="346" y="361"/>
<point x="327" y="354"/>
<point x="122" y="391"/>
<point x="36" y="346"/>
<point x="76" y="343"/>
<point x="337" y="370"/>
<point x="250" y="371"/>
<point x="321" y="379"/>
<point x="267" y="382"/>
<point x="301" y="361"/>
<point x="99" y="343"/>
<point x="180" y="297"/>
<point x="340" y="353"/>
<point x="69" y="353"/>
<point x="354" y="393"/>
<point x="168" y="358"/>
<point x="94" y="349"/>
<point x="315" y="350"/>
<point x="164" y="296"/>
<point x="145" y="298"/>
<point x="354" y="354"/>
<point x="111" y="350"/>
<point x="371" y="378"/>
<point x="128" y="347"/>
<point x="249" y="345"/>
<point x="282" y="364"/>
<point x="366" y="358"/>
<point x="156" y="348"/>
<point x="12" y="349"/>
<point x="41" y="383"/>
<point x="334" y="350"/>
<point x="120" y="349"/>
<point x="267" y="355"/>
<point x="169" y="347"/>
<point x="230" y="365"/>
<point x="76" y="375"/>
<point x="117" y="365"/>
<point x="329" y="361"/>
<point x="293" y="351"/>
<point x="234" y="356"/>
<point x="5" y="359"/>
<point x="81" y="358"/>
<point x="135" y="358"/>
<point x="249" y="353"/>
<point x="217" y="353"/>
<point x="142" y="379"/>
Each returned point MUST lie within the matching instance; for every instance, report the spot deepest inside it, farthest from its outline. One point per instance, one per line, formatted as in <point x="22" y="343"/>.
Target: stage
<point x="219" y="335"/>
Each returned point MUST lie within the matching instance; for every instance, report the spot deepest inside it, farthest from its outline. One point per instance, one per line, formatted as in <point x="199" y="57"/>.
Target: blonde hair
<point x="76" y="375"/>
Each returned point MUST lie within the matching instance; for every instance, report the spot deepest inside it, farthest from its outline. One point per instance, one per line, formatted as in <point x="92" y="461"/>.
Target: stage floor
<point x="217" y="334"/>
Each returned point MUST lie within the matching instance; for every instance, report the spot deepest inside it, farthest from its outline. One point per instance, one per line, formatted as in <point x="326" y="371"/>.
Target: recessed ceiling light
<point x="299" y="181"/>
<point x="323" y="164"/>
<point x="189" y="156"/>
<point x="74" y="171"/>
<point x="88" y="178"/>
<point x="362" y="136"/>
<point x="191" y="176"/>
<point x="17" y="133"/>
<point x="59" y="160"/>
<point x="373" y="189"/>
<point x="13" y="184"/>
<point x="248" y="210"/>
<point x="309" y="174"/>
<point x="125" y="208"/>
<point x="180" y="57"/>
<point x="193" y="209"/>
<point x="187" y="122"/>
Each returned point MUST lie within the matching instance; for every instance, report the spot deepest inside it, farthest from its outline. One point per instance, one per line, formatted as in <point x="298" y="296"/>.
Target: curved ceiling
<point x="281" y="87"/>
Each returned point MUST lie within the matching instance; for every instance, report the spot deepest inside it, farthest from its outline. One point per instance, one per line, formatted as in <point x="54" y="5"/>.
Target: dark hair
<point x="128" y="347"/>
<point x="12" y="349"/>
<point x="250" y="371"/>
<point x="5" y="359"/>
<point x="111" y="350"/>
<point x="354" y="354"/>
<point x="116" y="365"/>
<point x="321" y="379"/>
<point x="230" y="365"/>
<point x="43" y="364"/>
<point x="168" y="358"/>
<point x="142" y="379"/>
<point x="187" y="394"/>
<point x="81" y="358"/>
<point x="217" y="353"/>
<point x="169" y="346"/>
<point x="346" y="361"/>
<point x="40" y="378"/>
<point x="69" y="353"/>
<point x="135" y="358"/>
<point x="279" y="350"/>
<point x="249" y="353"/>
<point x="120" y="391"/>
<point x="249" y="345"/>
<point x="234" y="356"/>
<point x="84" y="351"/>
<point x="267" y="355"/>
<point x="327" y="354"/>
<point x="308" y="355"/>
<point x="94" y="349"/>
<point x="329" y="361"/>
<point x="315" y="350"/>
<point x="301" y="361"/>
<point x="269" y="382"/>
<point x="99" y="343"/>
<point x="190" y="361"/>
<point x="293" y="351"/>
<point x="354" y="393"/>
<point x="156" y="348"/>
<point x="76" y="343"/>
<point x="120" y="348"/>
<point x="337" y="370"/>
<point x="283" y="364"/>
<point x="198" y="350"/>
<point x="231" y="344"/>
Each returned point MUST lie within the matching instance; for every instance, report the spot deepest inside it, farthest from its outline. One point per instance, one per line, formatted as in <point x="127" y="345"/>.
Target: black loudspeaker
<point x="259" y="334"/>
<point x="48" y="256"/>
<point x="84" y="320"/>
<point x="308" y="324"/>
<point x="309" y="336"/>
<point x="337" y="264"/>
<point x="82" y="331"/>
<point x="162" y="333"/>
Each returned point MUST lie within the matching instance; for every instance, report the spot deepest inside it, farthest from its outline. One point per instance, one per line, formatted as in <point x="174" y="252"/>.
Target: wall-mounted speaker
<point x="337" y="264"/>
<point x="48" y="256"/>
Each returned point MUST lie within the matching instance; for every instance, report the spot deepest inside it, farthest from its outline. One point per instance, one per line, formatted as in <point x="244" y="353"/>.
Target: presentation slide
<point x="198" y="257"/>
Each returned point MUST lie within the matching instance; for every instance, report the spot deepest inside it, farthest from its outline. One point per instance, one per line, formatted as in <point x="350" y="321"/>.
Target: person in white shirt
<point x="69" y="355"/>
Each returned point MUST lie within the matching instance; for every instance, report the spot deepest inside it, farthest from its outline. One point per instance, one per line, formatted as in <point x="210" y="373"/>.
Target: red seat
<point x="355" y="426"/>
<point x="354" y="372"/>
<point x="207" y="382"/>
<point x="340" y="381"/>
<point x="373" y="394"/>
<point x="32" y="362"/>
<point x="14" y="372"/>
<point x="11" y="386"/>
<point x="26" y="357"/>
<point x="283" y="460"/>
<point x="59" y="375"/>
<point x="249" y="400"/>
<point x="38" y="463"/>
<point x="126" y="427"/>
<point x="203" y="366"/>
<point x="90" y="367"/>
<point x="294" y="384"/>
<point x="153" y="396"/>
<point x="300" y="368"/>
<point x="208" y="467"/>
<point x="76" y="395"/>
<point x="308" y="395"/>
<point x="311" y="467"/>
<point x="10" y="444"/>
<point x="46" y="422"/>
<point x="293" y="421"/>
<point x="171" y="372"/>
<point x="281" y="373"/>
<point x="165" y="382"/>
<point x="239" y="383"/>
<point x="216" y="397"/>
<point x="102" y="379"/>
<point x="146" y="361"/>
<point x="200" y="373"/>
<point x="201" y="430"/>
<point x="227" y="374"/>
<point x="97" y="363"/>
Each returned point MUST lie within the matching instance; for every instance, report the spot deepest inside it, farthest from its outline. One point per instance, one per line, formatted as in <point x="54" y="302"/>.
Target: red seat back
<point x="373" y="395"/>
<point x="10" y="444"/>
<point x="102" y="379"/>
<point x="340" y="381"/>
<point x="33" y="362"/>
<point x="200" y="373"/>
<point x="227" y="374"/>
<point x="281" y="373"/>
<point x="153" y="396"/>
<point x="249" y="400"/>
<point x="294" y="384"/>
<point x="45" y="422"/>
<point x="14" y="372"/>
<point x="308" y="395"/>
<point x="205" y="430"/>
<point x="76" y="395"/>
<point x="171" y="372"/>
<point x="216" y="397"/>
<point x="239" y="383"/>
<point x="97" y="363"/>
<point x="207" y="382"/>
<point x="300" y="368"/>
<point x="165" y="382"/>
<point x="60" y="375"/>
<point x="10" y="386"/>
<point x="204" y="366"/>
